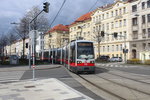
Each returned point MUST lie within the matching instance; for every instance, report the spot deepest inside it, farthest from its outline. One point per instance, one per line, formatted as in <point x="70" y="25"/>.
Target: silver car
<point x="115" y="59"/>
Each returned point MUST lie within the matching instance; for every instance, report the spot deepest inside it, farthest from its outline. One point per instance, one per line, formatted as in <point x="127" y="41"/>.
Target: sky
<point x="14" y="10"/>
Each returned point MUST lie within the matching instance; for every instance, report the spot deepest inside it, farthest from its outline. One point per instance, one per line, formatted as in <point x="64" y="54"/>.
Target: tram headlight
<point x="79" y="62"/>
<point x="92" y="62"/>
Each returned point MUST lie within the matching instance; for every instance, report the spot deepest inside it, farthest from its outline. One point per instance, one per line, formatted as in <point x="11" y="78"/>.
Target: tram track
<point x="111" y="92"/>
<point x="129" y="78"/>
<point x="135" y="89"/>
<point x="101" y="88"/>
<point x="114" y="88"/>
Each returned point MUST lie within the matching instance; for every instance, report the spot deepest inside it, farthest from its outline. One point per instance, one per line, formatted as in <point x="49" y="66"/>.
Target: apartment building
<point x="110" y="19"/>
<point x="81" y="28"/>
<point x="140" y="28"/>
<point x="16" y="48"/>
<point x="56" y="37"/>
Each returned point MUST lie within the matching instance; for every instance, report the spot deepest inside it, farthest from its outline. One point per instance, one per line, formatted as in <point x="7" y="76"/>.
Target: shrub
<point x="147" y="62"/>
<point x="134" y="61"/>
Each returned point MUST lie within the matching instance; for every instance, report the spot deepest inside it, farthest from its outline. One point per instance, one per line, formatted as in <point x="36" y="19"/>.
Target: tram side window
<point x="72" y="53"/>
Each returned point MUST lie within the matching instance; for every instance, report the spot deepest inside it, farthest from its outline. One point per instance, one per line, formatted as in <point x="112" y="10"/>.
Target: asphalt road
<point x="62" y="75"/>
<point x="143" y="70"/>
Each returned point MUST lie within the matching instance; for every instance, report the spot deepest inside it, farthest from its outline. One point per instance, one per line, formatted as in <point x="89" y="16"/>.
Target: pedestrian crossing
<point x="113" y="65"/>
<point x="10" y="76"/>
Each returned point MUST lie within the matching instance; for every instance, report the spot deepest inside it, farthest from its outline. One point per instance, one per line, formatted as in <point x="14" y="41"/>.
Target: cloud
<point x="13" y="10"/>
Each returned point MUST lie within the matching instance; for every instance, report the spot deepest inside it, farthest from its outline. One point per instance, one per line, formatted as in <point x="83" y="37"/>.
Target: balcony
<point x="135" y="38"/>
<point x="135" y="28"/>
<point x="118" y="17"/>
<point x="97" y="22"/>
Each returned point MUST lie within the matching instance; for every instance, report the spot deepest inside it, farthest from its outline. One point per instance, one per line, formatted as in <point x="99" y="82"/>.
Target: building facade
<point x="81" y="28"/>
<point x="140" y="28"/>
<point x="56" y="37"/>
<point x="110" y="19"/>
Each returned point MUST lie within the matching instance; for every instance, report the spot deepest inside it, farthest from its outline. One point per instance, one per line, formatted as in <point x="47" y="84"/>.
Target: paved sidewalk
<point x="45" y="89"/>
<point x="24" y="68"/>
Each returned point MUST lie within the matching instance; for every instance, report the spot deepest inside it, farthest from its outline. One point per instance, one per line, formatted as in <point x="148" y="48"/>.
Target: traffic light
<point x="102" y="33"/>
<point x="115" y="34"/>
<point x="26" y="45"/>
<point x="46" y="7"/>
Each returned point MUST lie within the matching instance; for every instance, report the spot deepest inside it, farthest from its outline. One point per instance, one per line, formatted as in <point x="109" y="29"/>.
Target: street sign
<point x="34" y="34"/>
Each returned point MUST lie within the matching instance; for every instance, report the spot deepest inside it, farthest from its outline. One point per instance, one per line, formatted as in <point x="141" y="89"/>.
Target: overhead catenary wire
<point x="93" y="6"/>
<point x="58" y="13"/>
<point x="103" y="1"/>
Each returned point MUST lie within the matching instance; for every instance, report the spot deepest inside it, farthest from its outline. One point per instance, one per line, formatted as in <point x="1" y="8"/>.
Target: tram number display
<point x="85" y="44"/>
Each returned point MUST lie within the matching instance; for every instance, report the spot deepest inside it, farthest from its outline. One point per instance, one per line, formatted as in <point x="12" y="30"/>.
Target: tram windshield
<point x="85" y="50"/>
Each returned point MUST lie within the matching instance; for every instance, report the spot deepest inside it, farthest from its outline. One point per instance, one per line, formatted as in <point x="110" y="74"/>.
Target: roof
<point x="84" y="17"/>
<point x="59" y="27"/>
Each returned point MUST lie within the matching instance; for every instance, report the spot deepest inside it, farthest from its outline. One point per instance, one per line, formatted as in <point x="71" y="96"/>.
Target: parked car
<point x="104" y="58"/>
<point x="115" y="59"/>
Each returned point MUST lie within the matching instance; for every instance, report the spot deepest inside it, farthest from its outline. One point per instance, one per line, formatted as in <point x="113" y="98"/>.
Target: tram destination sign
<point x="85" y="44"/>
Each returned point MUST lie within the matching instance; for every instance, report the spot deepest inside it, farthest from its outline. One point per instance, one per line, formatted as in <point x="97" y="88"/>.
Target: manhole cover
<point x="31" y="86"/>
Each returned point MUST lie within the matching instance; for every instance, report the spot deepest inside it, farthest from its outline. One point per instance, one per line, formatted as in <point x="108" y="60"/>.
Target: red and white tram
<point x="77" y="56"/>
<point x="80" y="56"/>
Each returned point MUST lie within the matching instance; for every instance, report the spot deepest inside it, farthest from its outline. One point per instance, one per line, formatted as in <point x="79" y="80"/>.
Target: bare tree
<point x="40" y="23"/>
<point x="11" y="37"/>
<point x="3" y="43"/>
<point x="98" y="37"/>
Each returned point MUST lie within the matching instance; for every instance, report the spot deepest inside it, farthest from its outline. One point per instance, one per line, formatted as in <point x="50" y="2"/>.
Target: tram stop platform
<point x="42" y="89"/>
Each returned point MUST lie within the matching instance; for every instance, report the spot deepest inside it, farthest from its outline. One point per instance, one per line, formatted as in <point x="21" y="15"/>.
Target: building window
<point x="120" y="11"/>
<point x="96" y="18"/>
<point x="103" y="27"/>
<point x="121" y="55"/>
<point x="143" y="5"/>
<point x="148" y="45"/>
<point x="143" y="19"/>
<point x="112" y="25"/>
<point x="134" y="8"/>
<point x="144" y="46"/>
<point x="120" y="23"/>
<point x="99" y="17"/>
<point x="124" y="22"/>
<point x="124" y="10"/>
<point x="112" y="47"/>
<point x="148" y="17"/>
<point x="112" y="14"/>
<point x="134" y="21"/>
<point x="103" y="48"/>
<point x="107" y="37"/>
<point x="148" y="32"/>
<point x="135" y="34"/>
<point x="120" y="47"/>
<point x="116" y="55"/>
<point x="107" y="26"/>
<point x="116" y="47"/>
<point x="103" y="16"/>
<point x="112" y="37"/>
<point x="116" y="24"/>
<point x="133" y="45"/>
<point x="144" y="33"/>
<point x="148" y="4"/>
<point x="125" y="34"/>
<point x="107" y="15"/>
<point x="120" y="35"/>
<point x="116" y="12"/>
<point x="108" y="48"/>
